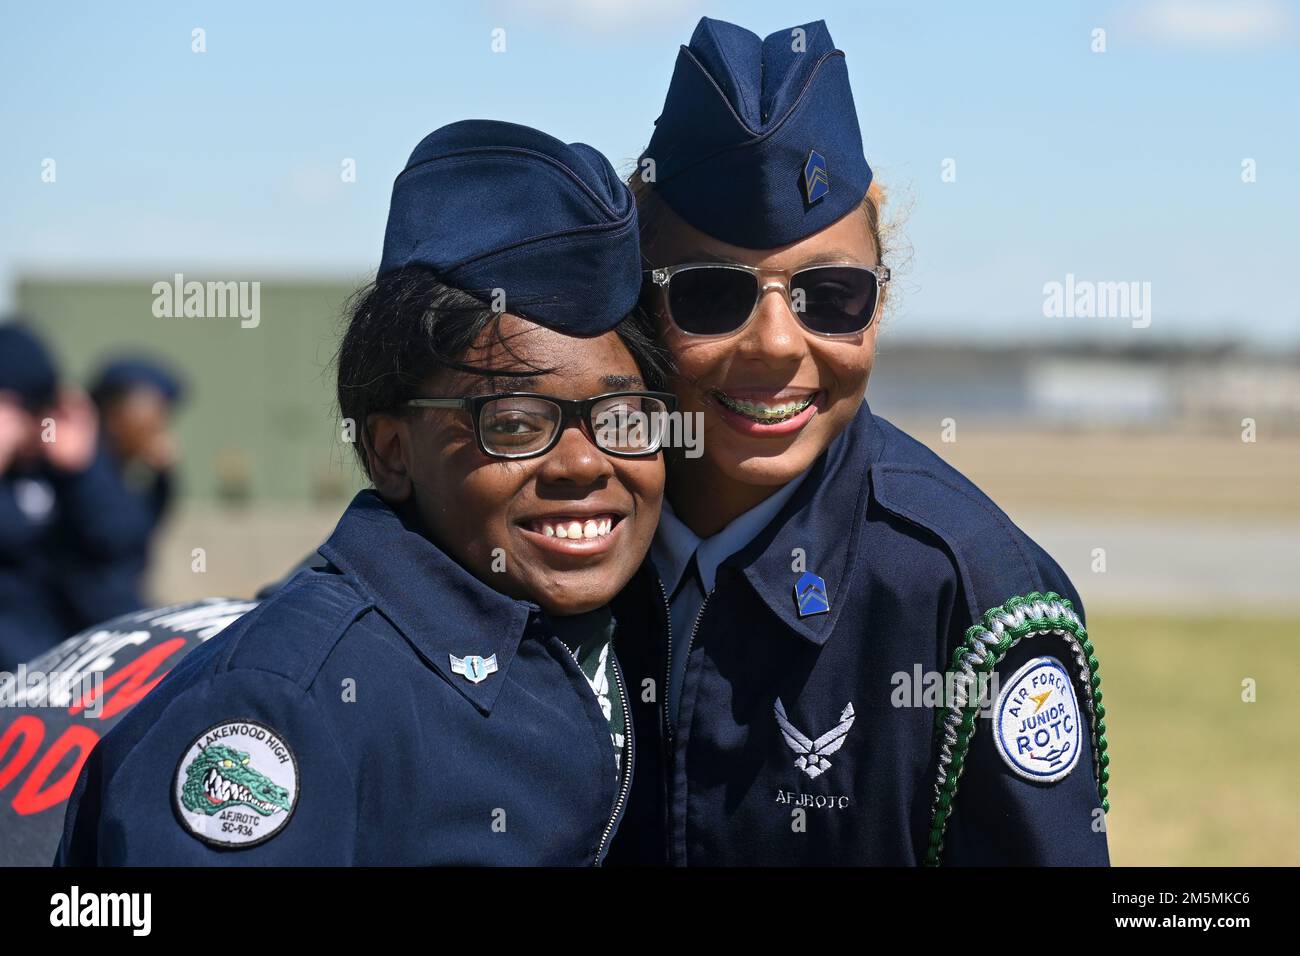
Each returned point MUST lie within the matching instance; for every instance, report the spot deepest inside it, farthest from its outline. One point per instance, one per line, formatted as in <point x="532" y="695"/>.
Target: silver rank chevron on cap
<point x="811" y="754"/>
<point x="473" y="668"/>
<point x="816" y="181"/>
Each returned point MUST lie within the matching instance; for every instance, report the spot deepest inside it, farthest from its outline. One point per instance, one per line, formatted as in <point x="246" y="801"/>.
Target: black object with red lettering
<point x="54" y="710"/>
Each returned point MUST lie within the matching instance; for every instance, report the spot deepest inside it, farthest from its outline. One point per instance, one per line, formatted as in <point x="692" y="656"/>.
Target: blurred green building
<point x="260" y="423"/>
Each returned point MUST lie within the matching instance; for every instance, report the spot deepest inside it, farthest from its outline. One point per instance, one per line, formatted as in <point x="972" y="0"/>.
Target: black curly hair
<point x="409" y="324"/>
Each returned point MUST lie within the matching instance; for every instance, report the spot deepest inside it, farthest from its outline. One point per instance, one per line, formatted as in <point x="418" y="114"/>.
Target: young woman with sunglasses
<point x="823" y="576"/>
<point x="444" y="690"/>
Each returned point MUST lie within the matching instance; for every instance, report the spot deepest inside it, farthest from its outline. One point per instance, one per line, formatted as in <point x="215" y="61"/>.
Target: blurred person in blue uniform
<point x="444" y="689"/>
<point x="855" y="629"/>
<point x="66" y="520"/>
<point x="136" y="398"/>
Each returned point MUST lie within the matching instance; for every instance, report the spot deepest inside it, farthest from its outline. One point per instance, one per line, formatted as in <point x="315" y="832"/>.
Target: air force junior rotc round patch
<point x="237" y="785"/>
<point x="1038" y="727"/>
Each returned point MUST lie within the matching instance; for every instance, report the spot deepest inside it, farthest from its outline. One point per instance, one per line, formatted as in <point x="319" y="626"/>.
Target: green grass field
<point x="1199" y="777"/>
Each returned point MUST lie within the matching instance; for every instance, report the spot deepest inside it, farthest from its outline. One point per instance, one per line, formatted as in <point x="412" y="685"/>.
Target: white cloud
<point x="314" y="185"/>
<point x="1214" y="24"/>
<point x="604" y="15"/>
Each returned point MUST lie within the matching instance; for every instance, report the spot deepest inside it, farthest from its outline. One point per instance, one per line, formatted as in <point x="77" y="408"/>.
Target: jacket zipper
<point x="625" y="784"/>
<point x="690" y="642"/>
<point x="670" y="733"/>
<point x="668" y="665"/>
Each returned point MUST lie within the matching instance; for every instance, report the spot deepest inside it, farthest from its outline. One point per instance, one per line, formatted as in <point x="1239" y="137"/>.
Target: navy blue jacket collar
<point x="823" y="520"/>
<point x="437" y="605"/>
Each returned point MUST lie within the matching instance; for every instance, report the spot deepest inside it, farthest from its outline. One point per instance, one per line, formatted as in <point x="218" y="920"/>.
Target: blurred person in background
<point x="137" y="398"/>
<point x="66" y="520"/>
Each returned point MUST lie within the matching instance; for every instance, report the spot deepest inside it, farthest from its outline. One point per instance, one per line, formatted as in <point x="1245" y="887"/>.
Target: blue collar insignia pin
<point x="473" y="668"/>
<point x="810" y="595"/>
<point x="816" y="181"/>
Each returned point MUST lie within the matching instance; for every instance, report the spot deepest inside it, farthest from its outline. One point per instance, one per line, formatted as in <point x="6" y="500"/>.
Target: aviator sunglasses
<point x="717" y="298"/>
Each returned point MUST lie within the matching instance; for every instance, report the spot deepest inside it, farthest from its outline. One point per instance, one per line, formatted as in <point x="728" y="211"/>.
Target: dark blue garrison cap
<point x="26" y="366"/>
<point x="129" y="371"/>
<point x="489" y="205"/>
<point x="758" y="144"/>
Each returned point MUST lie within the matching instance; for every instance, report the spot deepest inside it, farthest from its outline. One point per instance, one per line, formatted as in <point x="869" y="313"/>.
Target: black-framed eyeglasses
<point x="720" y="298"/>
<point x="525" y="424"/>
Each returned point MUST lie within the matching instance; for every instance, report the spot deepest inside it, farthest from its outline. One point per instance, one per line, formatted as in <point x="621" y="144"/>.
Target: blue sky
<point x="1115" y="166"/>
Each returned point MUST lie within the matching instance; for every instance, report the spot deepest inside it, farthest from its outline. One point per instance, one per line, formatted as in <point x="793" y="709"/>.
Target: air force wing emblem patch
<point x="810" y="755"/>
<point x="473" y="668"/>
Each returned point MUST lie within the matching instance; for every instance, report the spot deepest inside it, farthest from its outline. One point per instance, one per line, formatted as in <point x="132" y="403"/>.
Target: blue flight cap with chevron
<point x="758" y="144"/>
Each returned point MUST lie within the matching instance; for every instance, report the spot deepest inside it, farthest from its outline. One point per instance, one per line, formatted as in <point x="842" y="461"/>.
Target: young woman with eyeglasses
<point x="444" y="690"/>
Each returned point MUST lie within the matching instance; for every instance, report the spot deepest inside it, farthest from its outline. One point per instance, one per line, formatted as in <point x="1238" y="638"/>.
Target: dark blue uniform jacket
<point x="810" y="740"/>
<point x="395" y="757"/>
<point x="73" y="561"/>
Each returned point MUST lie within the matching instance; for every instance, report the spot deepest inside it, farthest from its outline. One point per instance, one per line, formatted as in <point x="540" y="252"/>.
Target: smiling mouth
<point x="763" y="413"/>
<point x="584" y="527"/>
